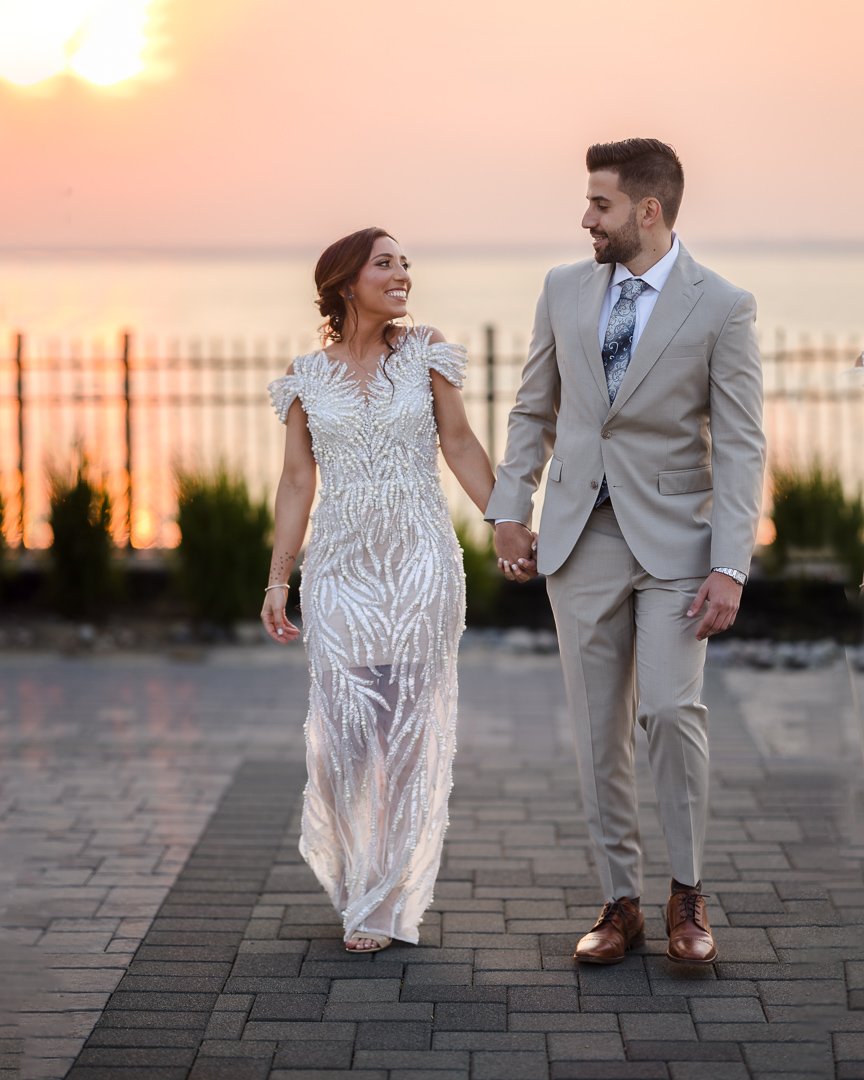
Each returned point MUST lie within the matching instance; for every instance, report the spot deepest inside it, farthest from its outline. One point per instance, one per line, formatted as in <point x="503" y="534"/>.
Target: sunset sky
<point x="452" y="123"/>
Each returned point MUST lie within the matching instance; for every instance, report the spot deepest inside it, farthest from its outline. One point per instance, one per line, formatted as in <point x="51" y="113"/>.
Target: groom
<point x="643" y="385"/>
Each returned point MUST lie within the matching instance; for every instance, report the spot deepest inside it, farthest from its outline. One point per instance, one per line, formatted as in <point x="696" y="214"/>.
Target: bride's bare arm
<point x="293" y="504"/>
<point x="465" y="457"/>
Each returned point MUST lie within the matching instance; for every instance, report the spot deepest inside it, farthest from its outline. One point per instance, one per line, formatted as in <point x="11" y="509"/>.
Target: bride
<point x="383" y="594"/>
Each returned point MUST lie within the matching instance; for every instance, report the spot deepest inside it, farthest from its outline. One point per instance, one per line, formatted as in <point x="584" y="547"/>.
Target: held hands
<point x="273" y="616"/>
<point x="723" y="596"/>
<point x="516" y="547"/>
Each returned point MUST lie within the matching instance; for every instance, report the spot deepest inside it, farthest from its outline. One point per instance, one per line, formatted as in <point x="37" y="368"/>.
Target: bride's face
<point x="382" y="286"/>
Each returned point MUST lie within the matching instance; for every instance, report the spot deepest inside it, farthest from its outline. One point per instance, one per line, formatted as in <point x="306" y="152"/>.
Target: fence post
<point x="19" y="396"/>
<point x="490" y="393"/>
<point x="127" y="401"/>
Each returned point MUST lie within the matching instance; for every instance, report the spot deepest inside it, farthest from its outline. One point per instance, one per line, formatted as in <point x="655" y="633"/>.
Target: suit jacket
<point x="682" y="446"/>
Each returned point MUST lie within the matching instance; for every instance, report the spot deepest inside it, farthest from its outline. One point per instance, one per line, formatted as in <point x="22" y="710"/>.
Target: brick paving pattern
<point x="160" y="924"/>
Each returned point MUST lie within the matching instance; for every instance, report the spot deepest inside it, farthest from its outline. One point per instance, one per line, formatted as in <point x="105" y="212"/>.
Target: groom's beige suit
<point x="683" y="452"/>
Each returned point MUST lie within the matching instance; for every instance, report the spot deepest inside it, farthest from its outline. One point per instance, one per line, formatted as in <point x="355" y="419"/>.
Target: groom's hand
<point x="515" y="546"/>
<point x="722" y="593"/>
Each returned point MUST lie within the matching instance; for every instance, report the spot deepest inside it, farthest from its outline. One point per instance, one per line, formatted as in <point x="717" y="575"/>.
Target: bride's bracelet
<point x="281" y="585"/>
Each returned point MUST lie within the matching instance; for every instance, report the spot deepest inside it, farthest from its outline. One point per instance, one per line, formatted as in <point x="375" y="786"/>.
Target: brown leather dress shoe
<point x="690" y="938"/>
<point x="620" y="925"/>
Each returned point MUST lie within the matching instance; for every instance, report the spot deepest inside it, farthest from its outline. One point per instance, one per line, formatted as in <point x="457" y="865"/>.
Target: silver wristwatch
<point x="730" y="571"/>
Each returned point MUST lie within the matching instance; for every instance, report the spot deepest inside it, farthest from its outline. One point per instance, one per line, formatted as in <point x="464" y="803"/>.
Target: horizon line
<point x="277" y="251"/>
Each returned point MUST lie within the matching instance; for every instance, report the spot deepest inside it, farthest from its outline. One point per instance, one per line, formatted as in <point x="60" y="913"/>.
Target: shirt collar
<point x="656" y="275"/>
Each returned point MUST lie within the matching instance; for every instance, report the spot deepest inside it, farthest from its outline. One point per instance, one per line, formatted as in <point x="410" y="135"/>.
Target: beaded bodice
<point x="375" y="446"/>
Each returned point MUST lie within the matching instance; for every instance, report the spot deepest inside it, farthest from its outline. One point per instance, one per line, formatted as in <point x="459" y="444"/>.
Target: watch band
<point x="730" y="571"/>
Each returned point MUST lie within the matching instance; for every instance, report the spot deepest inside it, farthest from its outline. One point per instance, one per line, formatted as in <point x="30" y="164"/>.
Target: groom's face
<point x="611" y="219"/>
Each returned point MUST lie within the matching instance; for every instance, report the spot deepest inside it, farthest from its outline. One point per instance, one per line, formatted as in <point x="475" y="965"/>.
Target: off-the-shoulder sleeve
<point x="450" y="360"/>
<point x="283" y="391"/>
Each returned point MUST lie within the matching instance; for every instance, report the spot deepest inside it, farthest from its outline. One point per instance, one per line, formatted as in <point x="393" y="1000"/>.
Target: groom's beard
<point x="622" y="245"/>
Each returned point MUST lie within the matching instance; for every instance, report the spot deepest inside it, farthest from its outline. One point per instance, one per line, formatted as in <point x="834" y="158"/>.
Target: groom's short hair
<point x="645" y="167"/>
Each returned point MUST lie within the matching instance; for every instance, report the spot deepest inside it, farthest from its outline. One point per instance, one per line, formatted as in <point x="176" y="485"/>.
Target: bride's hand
<point x="274" y="618"/>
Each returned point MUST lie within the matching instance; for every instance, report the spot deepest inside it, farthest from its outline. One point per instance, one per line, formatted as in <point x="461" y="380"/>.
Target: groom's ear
<point x="650" y="212"/>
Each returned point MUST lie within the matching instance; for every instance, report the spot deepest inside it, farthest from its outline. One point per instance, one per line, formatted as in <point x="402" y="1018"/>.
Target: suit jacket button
<point x="594" y="484"/>
<point x="606" y="434"/>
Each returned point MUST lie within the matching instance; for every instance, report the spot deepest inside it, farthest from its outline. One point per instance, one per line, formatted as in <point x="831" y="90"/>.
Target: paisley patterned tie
<point x="618" y="345"/>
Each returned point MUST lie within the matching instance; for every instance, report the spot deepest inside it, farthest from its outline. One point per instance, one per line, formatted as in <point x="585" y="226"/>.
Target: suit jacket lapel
<point x="592" y="291"/>
<point x="677" y="299"/>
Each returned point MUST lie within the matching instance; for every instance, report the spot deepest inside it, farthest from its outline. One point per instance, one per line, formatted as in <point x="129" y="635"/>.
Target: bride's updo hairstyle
<point x="336" y="271"/>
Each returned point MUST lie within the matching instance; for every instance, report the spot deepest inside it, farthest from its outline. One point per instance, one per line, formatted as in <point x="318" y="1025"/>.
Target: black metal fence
<point x="141" y="414"/>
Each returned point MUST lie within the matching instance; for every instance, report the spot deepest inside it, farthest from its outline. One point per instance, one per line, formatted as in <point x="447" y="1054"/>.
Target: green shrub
<point x="82" y="578"/>
<point x="812" y="513"/>
<point x="483" y="580"/>
<point x="224" y="551"/>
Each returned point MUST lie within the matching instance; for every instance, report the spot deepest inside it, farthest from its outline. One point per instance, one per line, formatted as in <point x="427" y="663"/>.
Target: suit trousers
<point x="629" y="652"/>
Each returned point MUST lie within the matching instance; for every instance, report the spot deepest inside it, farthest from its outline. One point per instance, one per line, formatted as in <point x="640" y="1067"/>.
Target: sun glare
<point x="103" y="42"/>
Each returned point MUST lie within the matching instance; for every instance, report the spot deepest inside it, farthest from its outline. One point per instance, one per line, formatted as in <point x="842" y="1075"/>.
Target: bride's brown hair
<point x="335" y="273"/>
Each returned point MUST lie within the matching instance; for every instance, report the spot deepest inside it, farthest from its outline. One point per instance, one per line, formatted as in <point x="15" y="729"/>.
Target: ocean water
<point x="269" y="298"/>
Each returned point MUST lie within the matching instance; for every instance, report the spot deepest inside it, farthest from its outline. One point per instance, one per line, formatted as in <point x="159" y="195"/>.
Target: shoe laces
<point x="610" y="909"/>
<point x="689" y="902"/>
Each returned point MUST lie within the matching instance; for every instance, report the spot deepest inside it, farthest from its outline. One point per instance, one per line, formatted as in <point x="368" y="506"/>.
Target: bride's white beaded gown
<point x="383" y="603"/>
